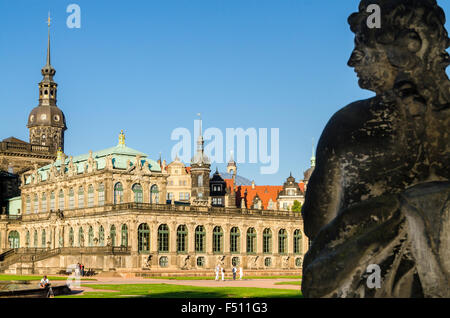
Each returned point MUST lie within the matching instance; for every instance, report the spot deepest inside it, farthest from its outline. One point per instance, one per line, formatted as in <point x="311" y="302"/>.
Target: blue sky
<point x="150" y="66"/>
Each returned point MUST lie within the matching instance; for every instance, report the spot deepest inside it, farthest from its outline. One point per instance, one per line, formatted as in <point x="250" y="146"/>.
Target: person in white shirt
<point x="241" y="273"/>
<point x="223" y="273"/>
<point x="44" y="282"/>
<point x="217" y="272"/>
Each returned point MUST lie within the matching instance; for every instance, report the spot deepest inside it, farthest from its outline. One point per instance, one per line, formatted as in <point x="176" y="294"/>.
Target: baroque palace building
<point x="118" y="210"/>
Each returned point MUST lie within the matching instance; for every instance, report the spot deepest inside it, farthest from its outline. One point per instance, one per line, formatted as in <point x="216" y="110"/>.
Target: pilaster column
<point x="132" y="236"/>
<point x="172" y="237"/>
<point x="191" y="237"/>
<point x="290" y="240"/>
<point x="259" y="239"/>
<point x="226" y="238"/>
<point x="153" y="237"/>
<point x="243" y="238"/>
<point x="209" y="240"/>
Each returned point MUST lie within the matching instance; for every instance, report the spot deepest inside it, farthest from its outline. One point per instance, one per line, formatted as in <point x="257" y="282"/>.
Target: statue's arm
<point x="323" y="191"/>
<point x="325" y="188"/>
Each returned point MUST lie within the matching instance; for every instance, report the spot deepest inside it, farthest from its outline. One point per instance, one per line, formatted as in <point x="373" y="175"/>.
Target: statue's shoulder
<point x="346" y="122"/>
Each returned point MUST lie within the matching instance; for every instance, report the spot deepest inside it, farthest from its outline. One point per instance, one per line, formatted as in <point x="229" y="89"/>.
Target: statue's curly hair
<point x="416" y="39"/>
<point x="399" y="18"/>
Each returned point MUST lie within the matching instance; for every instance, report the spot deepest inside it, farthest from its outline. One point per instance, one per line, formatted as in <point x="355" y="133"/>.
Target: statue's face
<point x="373" y="68"/>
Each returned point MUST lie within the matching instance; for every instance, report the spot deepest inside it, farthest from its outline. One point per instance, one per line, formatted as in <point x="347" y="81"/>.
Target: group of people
<point x="219" y="270"/>
<point x="80" y="268"/>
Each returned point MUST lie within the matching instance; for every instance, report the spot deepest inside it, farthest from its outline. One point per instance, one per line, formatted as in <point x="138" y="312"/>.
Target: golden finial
<point x="122" y="138"/>
<point x="59" y="154"/>
<point x="49" y="20"/>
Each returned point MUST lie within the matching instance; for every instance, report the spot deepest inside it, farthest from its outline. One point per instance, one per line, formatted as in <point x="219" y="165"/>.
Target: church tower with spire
<point x="200" y="171"/>
<point x="46" y="122"/>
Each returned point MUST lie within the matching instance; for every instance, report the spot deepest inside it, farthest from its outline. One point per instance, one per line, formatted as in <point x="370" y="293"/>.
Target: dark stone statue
<point x="380" y="192"/>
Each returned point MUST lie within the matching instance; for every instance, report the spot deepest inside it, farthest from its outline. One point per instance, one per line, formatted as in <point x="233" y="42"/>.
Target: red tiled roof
<point x="229" y="183"/>
<point x="302" y="186"/>
<point x="265" y="193"/>
<point x="188" y="170"/>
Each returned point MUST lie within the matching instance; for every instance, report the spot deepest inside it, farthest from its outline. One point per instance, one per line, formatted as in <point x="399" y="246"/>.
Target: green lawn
<point x="33" y="277"/>
<point x="212" y="278"/>
<point x="179" y="291"/>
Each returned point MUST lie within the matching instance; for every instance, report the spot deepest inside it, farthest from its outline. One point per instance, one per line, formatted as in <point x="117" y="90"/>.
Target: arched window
<point x="235" y="236"/>
<point x="267" y="241"/>
<point x="143" y="238"/>
<point x="200" y="261"/>
<point x="71" y="199"/>
<point x="80" y="237"/>
<point x="43" y="239"/>
<point x="52" y="201"/>
<point x="28" y="205"/>
<point x="118" y="193"/>
<point x="124" y="236"/>
<point x="137" y="191"/>
<point x="217" y="239"/>
<point x="90" y="236"/>
<point x="27" y="239"/>
<point x="101" y="194"/>
<point x="80" y="197"/>
<point x="163" y="238"/>
<point x="200" y="180"/>
<point x="163" y="261"/>
<point x="35" y="204"/>
<point x="101" y="236"/>
<point x="35" y="239"/>
<point x="90" y="196"/>
<point x="235" y="261"/>
<point x="154" y="194"/>
<point x="44" y="202"/>
<point x="112" y="235"/>
<point x="14" y="239"/>
<point x="282" y="240"/>
<point x="71" y="240"/>
<point x="251" y="240"/>
<point x="297" y="242"/>
<point x="182" y="239"/>
<point x="200" y="239"/>
<point x="61" y="200"/>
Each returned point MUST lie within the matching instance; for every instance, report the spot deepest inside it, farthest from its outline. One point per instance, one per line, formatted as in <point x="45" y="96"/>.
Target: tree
<point x="296" y="207"/>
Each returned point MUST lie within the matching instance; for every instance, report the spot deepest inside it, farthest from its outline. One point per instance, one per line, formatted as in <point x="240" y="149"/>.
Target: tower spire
<point x="200" y="141"/>
<point x="313" y="157"/>
<point x="49" y="20"/>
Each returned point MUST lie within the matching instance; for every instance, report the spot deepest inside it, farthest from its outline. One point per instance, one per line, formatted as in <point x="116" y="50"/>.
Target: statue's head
<point x="411" y="41"/>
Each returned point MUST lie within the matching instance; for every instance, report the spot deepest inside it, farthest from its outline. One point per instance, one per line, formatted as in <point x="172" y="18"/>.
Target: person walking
<point x="234" y="270"/>
<point x="223" y="273"/>
<point x="241" y="273"/>
<point x="217" y="272"/>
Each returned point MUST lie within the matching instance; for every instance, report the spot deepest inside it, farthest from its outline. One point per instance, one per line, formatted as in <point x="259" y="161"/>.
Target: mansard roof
<point x="122" y="157"/>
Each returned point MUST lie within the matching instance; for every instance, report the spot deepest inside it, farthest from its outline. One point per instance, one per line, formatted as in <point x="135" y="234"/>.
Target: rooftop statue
<point x="380" y="191"/>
